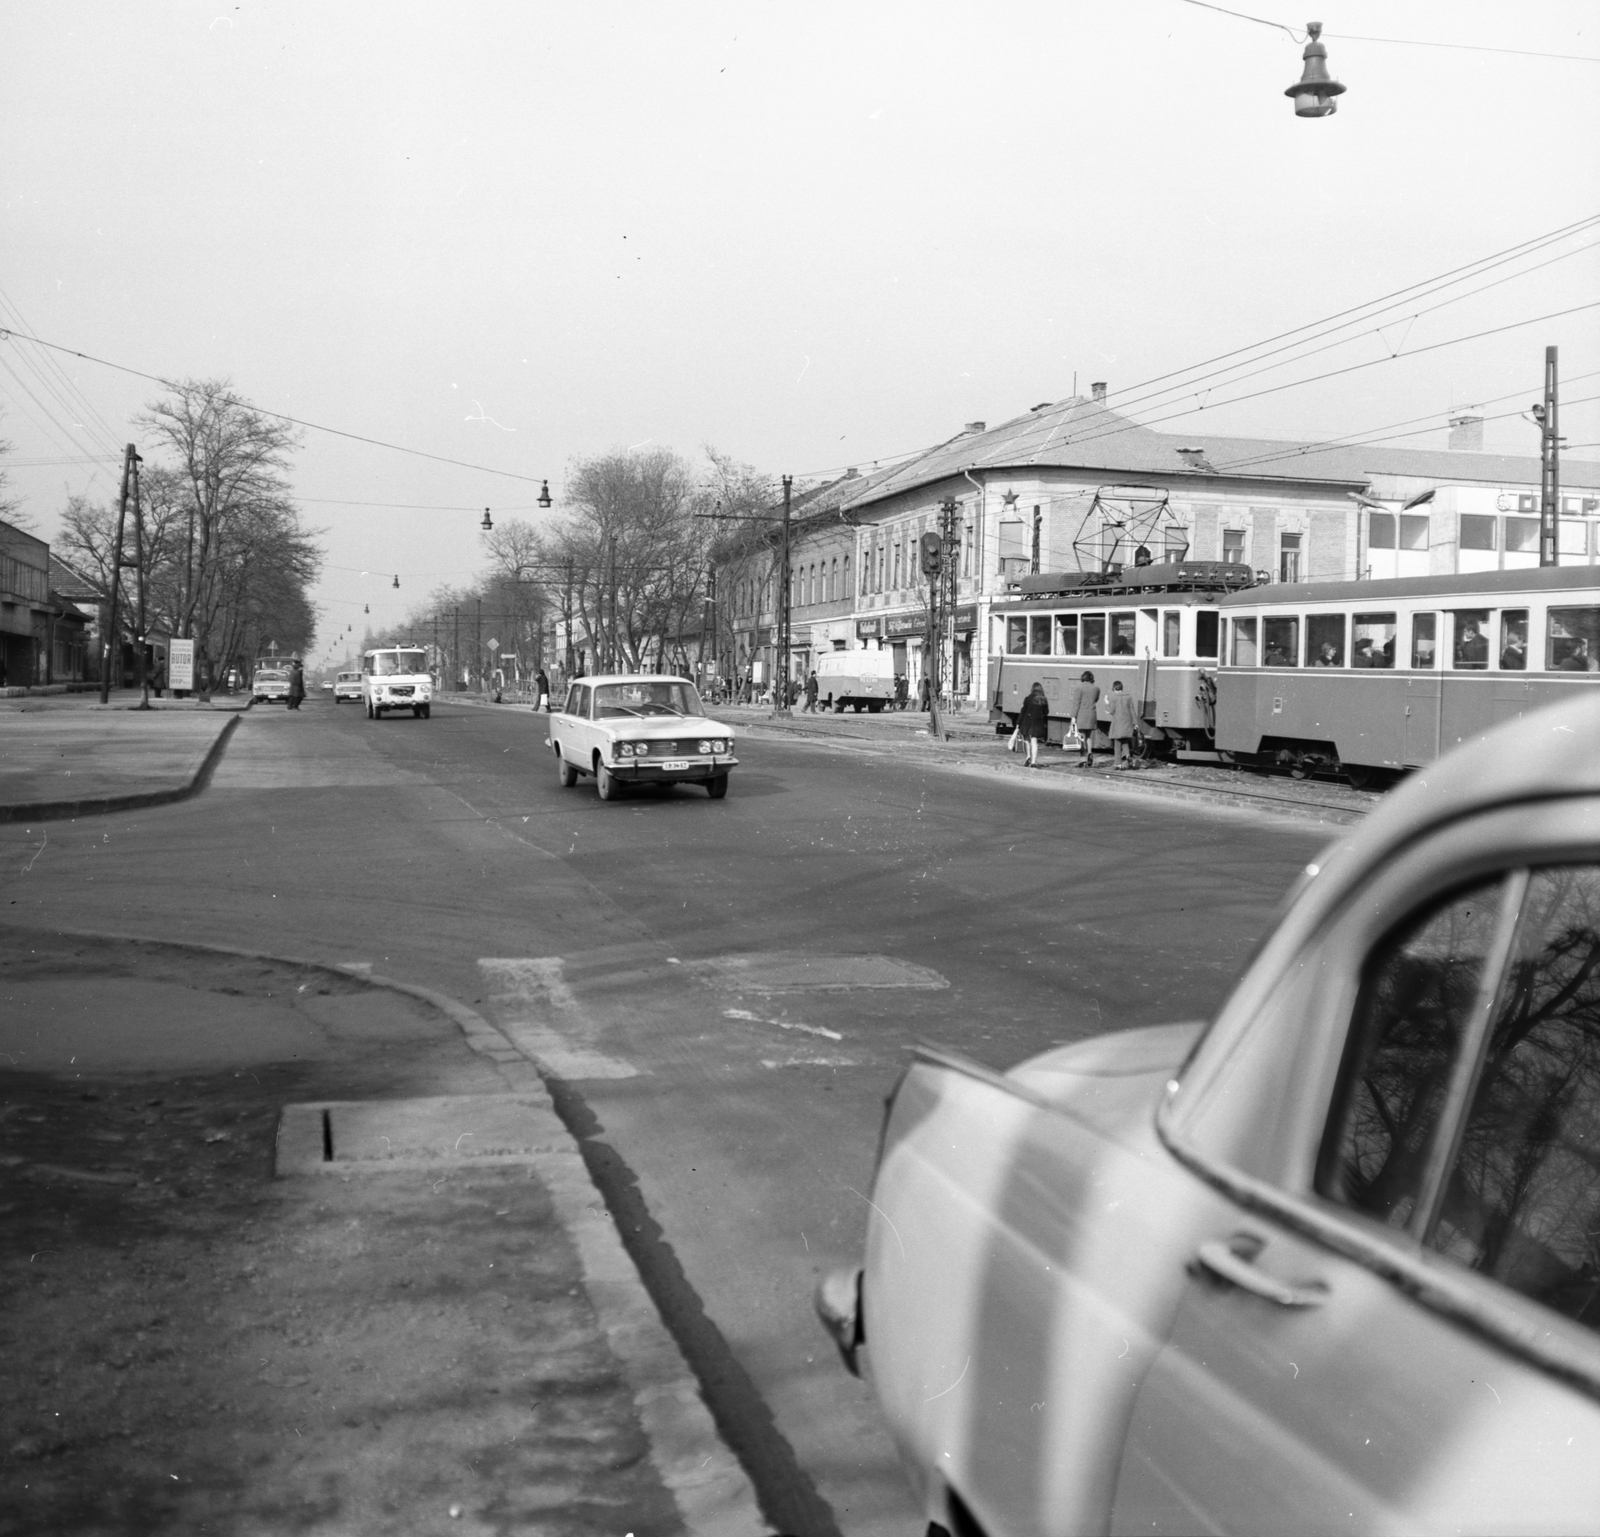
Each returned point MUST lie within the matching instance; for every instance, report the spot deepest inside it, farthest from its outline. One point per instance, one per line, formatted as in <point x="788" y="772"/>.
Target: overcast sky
<point x="812" y="235"/>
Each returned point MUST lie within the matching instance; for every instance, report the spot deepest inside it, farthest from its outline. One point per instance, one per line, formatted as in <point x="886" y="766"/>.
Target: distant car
<point x="1329" y="1264"/>
<point x="270" y="683"/>
<point x="328" y="685"/>
<point x="642" y="729"/>
<point x="346" y="686"/>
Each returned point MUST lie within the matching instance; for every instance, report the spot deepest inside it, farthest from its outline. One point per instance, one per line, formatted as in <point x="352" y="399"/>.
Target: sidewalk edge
<point x="713" y="1493"/>
<point x="100" y="805"/>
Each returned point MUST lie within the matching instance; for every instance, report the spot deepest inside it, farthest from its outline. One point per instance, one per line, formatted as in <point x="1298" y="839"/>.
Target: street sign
<point x="180" y="663"/>
<point x="494" y="645"/>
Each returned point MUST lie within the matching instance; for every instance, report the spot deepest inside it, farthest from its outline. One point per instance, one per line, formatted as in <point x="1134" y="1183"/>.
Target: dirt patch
<point x="193" y="1346"/>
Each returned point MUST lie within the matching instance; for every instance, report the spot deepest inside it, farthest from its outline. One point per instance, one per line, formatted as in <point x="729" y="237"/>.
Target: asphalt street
<point x="721" y="992"/>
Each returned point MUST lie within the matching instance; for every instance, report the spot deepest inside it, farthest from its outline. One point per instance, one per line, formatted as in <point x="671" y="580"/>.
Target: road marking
<point x="783" y="1024"/>
<point x="539" y="1012"/>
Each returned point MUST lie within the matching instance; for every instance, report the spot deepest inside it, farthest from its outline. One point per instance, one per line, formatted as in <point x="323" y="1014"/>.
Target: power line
<point x="7" y="334"/>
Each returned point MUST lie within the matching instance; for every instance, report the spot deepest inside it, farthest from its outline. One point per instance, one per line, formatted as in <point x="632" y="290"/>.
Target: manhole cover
<point x="346" y="1135"/>
<point x="781" y="973"/>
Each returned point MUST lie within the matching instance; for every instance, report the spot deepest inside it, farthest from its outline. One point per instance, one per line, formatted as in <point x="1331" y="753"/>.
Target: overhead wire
<point x="7" y="332"/>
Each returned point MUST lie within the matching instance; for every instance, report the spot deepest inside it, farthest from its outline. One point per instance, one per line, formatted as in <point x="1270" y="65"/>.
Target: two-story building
<point x="42" y="634"/>
<point x="1071" y="485"/>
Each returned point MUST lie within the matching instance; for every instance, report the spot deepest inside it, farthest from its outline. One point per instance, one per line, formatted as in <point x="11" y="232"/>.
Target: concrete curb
<point x="713" y="1493"/>
<point x="99" y="805"/>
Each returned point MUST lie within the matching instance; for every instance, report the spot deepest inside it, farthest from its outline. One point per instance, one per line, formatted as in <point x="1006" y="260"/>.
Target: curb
<point x="99" y="805"/>
<point x="713" y="1493"/>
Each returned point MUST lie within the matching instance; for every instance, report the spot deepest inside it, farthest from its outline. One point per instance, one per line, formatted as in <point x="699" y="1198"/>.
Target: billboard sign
<point x="180" y="664"/>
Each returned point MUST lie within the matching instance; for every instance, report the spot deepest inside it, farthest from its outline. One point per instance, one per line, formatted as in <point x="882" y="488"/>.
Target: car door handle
<point x="1221" y="1260"/>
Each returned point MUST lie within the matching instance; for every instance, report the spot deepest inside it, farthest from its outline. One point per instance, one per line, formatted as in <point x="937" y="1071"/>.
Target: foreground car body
<point x="640" y="729"/>
<point x="1332" y="1263"/>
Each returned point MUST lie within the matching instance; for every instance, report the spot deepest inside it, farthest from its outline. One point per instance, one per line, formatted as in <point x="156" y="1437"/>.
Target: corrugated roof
<point x="1079" y="434"/>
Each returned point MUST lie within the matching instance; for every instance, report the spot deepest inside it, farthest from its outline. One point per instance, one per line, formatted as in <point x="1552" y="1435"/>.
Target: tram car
<point x="1156" y="629"/>
<point x="1363" y="679"/>
<point x="1373" y="676"/>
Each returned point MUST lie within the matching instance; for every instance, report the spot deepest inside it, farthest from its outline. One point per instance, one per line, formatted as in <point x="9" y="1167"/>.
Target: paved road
<point x="678" y="963"/>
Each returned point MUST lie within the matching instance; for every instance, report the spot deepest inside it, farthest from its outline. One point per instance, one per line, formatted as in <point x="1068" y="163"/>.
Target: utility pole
<point x="566" y="614"/>
<point x="139" y="589"/>
<point x="1549" y="463"/>
<point x="477" y="651"/>
<point x="108" y="641"/>
<point x="436" y="647"/>
<point x="455" y="648"/>
<point x="781" y="682"/>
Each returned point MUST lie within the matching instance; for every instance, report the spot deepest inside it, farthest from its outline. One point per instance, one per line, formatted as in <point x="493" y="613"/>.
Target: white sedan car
<point x="640" y="729"/>
<point x="1329" y="1264"/>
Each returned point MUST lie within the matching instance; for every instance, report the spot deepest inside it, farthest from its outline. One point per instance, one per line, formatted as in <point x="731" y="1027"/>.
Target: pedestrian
<point x="925" y="694"/>
<point x="811" y="694"/>
<point x="297" y="685"/>
<point x="1084" y="708"/>
<point x="1033" y="721"/>
<point x="541" y="690"/>
<point x="1124" y="725"/>
<point x="902" y="691"/>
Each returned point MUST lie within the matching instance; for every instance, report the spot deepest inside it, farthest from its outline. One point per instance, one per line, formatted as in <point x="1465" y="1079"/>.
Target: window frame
<point x="1563" y="828"/>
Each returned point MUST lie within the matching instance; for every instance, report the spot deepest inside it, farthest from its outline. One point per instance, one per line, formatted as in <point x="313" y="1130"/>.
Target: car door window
<point x="1417" y="996"/>
<point x="1521" y="1201"/>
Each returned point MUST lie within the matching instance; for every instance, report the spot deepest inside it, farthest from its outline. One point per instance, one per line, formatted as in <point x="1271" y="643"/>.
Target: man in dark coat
<point x="811" y="694"/>
<point x="541" y="690"/>
<point x="297" y="685"/>
<point x="1124" y="725"/>
<point x="1033" y="721"/>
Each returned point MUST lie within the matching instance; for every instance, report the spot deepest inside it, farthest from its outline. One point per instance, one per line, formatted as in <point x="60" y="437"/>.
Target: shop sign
<point x="180" y="664"/>
<point x="868" y="629"/>
<point x="901" y="625"/>
<point x="967" y="618"/>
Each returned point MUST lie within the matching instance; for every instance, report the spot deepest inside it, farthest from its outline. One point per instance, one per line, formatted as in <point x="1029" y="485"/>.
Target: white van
<point x="396" y="678"/>
<point x="864" y="679"/>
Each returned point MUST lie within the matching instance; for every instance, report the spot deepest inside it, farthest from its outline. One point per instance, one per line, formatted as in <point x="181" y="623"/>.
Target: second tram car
<point x="1368" y="676"/>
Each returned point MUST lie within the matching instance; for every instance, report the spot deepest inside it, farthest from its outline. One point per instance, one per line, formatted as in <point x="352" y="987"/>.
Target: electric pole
<point x="455" y="648"/>
<point x="781" y="682"/>
<point x="1549" y="463"/>
<point x="139" y="590"/>
<point x="477" y="650"/>
<point x="108" y="641"/>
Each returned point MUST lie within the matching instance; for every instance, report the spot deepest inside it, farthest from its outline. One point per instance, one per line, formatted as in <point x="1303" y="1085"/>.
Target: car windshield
<point x="271" y="675"/>
<point x="654" y="696"/>
<point x="389" y="664"/>
<point x="349" y="677"/>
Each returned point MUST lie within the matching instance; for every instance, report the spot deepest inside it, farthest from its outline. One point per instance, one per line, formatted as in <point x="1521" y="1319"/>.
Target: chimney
<point x="1466" y="432"/>
<point x="851" y="473"/>
<point x="1097" y="391"/>
<point x="975" y="426"/>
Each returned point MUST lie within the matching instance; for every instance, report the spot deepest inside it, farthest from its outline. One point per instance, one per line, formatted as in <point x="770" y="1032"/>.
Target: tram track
<point x="973" y="748"/>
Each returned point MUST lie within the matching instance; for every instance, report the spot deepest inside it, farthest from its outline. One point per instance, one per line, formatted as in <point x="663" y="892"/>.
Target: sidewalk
<point x="290" y="1248"/>
<point x="65" y="755"/>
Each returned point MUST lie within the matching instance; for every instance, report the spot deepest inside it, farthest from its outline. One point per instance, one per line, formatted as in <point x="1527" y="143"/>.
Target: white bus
<point x="396" y="678"/>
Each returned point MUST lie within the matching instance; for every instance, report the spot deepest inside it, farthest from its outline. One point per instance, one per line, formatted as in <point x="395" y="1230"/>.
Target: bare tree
<point x="230" y="462"/>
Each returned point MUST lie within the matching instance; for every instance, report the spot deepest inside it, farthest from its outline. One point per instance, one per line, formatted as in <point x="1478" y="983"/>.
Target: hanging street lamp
<point x="544" y="495"/>
<point x="1313" y="93"/>
<point x="397" y="580"/>
<point x="488" y="522"/>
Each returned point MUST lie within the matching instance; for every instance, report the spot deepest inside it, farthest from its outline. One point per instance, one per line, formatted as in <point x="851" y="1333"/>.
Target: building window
<point x="1038" y="527"/>
<point x="1289" y="558"/>
<point x="1477" y="533"/>
<point x="1233" y="545"/>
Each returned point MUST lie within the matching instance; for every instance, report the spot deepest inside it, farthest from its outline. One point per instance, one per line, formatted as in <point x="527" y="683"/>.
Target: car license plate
<point x="676" y="763"/>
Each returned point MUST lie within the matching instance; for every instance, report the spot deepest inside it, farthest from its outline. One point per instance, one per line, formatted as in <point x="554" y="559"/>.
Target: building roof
<point x="1079" y="434"/>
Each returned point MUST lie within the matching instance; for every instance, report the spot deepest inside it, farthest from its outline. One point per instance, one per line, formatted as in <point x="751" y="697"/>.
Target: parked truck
<point x="863" y="680"/>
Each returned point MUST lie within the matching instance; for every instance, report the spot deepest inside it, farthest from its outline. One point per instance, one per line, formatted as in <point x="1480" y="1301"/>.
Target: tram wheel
<point x="1360" y="776"/>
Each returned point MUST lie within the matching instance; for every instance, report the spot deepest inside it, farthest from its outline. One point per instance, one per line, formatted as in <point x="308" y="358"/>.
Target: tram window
<point x="1066" y="634"/>
<point x="1470" y="630"/>
<point x="1244" y="643"/>
<point x="1017" y="635"/>
<point x="1325" y="640"/>
<point x="1424" y="640"/>
<point x="1280" y="640"/>
<point x="1205" y="632"/>
<point x="1170" y="645"/>
<point x="1039" y="635"/>
<point x="1573" y="643"/>
<point x="1514" y="640"/>
<point x="1477" y="531"/>
<point x="1380" y="531"/>
<point x="1522" y="536"/>
<point x="1092" y="633"/>
<point x="1372" y="641"/>
<point x="1123" y="635"/>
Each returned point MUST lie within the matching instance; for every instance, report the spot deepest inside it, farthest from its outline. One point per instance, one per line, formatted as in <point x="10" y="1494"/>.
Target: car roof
<point x="634" y="677"/>
<point x="1547" y="754"/>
